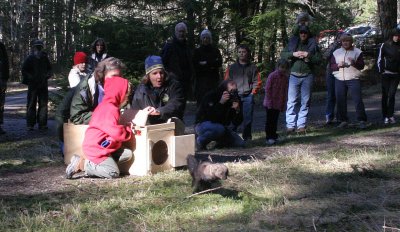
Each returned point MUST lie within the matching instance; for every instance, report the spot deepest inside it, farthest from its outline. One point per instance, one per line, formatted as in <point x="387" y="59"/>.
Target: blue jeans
<point x="248" y="109"/>
<point x="208" y="131"/>
<point x="330" y="96"/>
<point x="341" y="88"/>
<point x="299" y="95"/>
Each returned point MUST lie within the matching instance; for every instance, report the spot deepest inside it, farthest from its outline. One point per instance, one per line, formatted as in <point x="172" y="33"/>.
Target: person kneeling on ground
<point x="102" y="144"/>
<point x="218" y="109"/>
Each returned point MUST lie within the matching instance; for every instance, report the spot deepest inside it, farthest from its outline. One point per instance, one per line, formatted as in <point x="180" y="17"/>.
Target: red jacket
<point x="103" y="126"/>
<point x="276" y="91"/>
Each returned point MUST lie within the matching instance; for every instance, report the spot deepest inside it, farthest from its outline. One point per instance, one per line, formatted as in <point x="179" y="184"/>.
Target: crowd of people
<point x="225" y="104"/>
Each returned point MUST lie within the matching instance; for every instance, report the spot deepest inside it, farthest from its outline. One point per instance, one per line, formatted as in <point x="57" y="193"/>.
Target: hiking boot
<point x="362" y="125"/>
<point x="386" y="121"/>
<point x="72" y="167"/>
<point x="343" y="125"/>
<point x="392" y="120"/>
<point x="301" y="130"/>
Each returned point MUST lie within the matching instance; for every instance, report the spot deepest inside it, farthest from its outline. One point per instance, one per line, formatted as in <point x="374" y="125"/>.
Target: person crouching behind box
<point x="102" y="144"/>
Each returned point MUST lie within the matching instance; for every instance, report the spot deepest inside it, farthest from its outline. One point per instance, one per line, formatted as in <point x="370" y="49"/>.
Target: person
<point x="62" y="114"/>
<point x="36" y="70"/>
<point x="275" y="99"/>
<point x="248" y="80"/>
<point x="4" y="75"/>
<point x="99" y="53"/>
<point x="177" y="58"/>
<point x="158" y="90"/>
<point x="346" y="64"/>
<point x="300" y="81"/>
<point x="207" y="61"/>
<point x="218" y="109"/>
<point x="102" y="145"/>
<point x="89" y="92"/>
<point x="303" y="19"/>
<point x="78" y="71"/>
<point x="389" y="68"/>
<point x="330" y="81"/>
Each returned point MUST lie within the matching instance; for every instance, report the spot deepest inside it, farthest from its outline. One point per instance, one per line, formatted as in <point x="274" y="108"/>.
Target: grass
<point x="330" y="180"/>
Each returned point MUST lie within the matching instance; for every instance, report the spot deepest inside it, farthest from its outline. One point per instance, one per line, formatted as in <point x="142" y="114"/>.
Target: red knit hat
<point x="79" y="58"/>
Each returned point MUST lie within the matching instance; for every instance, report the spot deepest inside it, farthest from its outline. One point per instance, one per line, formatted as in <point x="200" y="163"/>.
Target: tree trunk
<point x="387" y="12"/>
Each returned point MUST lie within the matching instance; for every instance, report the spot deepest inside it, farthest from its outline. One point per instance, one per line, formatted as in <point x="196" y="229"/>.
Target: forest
<point x="135" y="29"/>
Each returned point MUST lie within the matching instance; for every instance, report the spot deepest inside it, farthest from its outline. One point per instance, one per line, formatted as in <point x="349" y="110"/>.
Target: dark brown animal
<point x="205" y="174"/>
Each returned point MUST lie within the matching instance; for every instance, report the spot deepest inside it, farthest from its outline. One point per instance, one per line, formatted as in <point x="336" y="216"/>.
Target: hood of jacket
<point x="115" y="90"/>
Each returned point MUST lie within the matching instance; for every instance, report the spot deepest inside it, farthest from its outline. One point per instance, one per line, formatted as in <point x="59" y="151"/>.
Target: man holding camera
<point x="248" y="81"/>
<point x="218" y="109"/>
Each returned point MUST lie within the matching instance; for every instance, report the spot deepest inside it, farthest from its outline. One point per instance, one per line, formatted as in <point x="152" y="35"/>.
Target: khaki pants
<point x="110" y="167"/>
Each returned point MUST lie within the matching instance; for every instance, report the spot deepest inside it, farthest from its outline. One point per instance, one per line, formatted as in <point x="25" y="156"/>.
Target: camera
<point x="234" y="95"/>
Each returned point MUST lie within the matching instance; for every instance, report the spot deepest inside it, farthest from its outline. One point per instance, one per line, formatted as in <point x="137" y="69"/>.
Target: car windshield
<point x="357" y="30"/>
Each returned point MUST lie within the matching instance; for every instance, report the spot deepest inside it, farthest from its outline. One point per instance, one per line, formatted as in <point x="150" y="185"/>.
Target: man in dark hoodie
<point x="36" y="70"/>
<point x="216" y="112"/>
<point x="4" y="75"/>
<point x="389" y="67"/>
<point x="99" y="53"/>
<point x="301" y="79"/>
<point x="177" y="58"/>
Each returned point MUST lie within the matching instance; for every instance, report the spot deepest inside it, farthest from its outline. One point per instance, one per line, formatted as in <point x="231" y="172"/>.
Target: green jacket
<point x="301" y="67"/>
<point x="84" y="101"/>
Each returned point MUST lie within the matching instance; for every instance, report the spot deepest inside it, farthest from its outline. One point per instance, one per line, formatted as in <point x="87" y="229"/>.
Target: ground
<point x="332" y="176"/>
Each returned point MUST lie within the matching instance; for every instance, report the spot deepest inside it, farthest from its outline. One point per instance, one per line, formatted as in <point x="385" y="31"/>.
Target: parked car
<point x="370" y="40"/>
<point x="357" y="31"/>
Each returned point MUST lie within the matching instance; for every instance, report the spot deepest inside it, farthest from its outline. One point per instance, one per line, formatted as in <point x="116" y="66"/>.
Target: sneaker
<point x="328" y="120"/>
<point x="392" y="120"/>
<point x="270" y="142"/>
<point x="362" y="125"/>
<point x="343" y="125"/>
<point x="301" y="130"/>
<point x="386" y="121"/>
<point x="71" y="168"/>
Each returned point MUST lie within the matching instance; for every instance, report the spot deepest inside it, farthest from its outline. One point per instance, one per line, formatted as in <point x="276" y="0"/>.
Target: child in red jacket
<point x="103" y="140"/>
<point x="276" y="90"/>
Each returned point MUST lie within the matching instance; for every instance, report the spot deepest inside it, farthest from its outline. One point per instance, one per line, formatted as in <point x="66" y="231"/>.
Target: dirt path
<point x="50" y="179"/>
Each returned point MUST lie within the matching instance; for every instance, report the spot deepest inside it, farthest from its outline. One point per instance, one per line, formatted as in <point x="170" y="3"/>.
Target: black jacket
<point x="36" y="70"/>
<point x="177" y="59"/>
<point x="4" y="65"/>
<point x="389" y="57"/>
<point x="212" y="110"/>
<point x="169" y="100"/>
<point x="213" y="57"/>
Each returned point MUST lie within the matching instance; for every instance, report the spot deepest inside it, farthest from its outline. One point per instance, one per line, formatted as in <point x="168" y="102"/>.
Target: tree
<point x="387" y="12"/>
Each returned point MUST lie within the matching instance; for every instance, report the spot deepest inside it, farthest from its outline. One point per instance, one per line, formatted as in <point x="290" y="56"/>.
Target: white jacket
<point x="351" y="72"/>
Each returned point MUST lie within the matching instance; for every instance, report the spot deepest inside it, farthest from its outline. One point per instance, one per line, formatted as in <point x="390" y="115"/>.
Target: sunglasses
<point x="99" y="45"/>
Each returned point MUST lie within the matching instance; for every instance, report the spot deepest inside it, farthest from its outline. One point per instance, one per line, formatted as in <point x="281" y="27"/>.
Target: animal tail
<point x="192" y="163"/>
